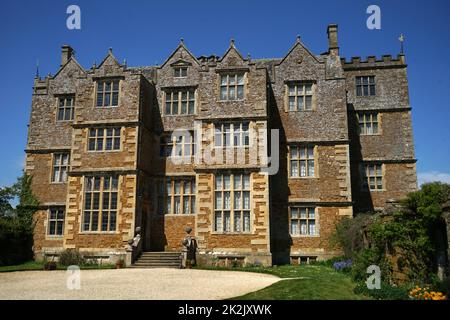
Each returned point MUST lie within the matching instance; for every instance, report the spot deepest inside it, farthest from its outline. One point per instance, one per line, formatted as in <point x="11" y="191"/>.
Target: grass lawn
<point x="318" y="282"/>
<point x="34" y="265"/>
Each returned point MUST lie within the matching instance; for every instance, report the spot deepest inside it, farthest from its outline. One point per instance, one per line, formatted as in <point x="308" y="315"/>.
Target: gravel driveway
<point x="161" y="284"/>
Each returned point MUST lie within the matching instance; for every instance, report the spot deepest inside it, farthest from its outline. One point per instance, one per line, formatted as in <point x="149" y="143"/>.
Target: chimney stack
<point x="332" y="32"/>
<point x="66" y="54"/>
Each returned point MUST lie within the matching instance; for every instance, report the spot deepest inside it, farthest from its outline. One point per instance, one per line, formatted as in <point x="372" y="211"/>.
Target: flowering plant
<point x="419" y="293"/>
<point x="342" y="265"/>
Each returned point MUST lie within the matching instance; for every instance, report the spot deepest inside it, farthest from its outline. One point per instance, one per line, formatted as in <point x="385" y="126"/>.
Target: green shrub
<point x="443" y="286"/>
<point x="16" y="224"/>
<point x="349" y="234"/>
<point x="366" y="258"/>
<point x="16" y="242"/>
<point x="407" y="234"/>
<point x="71" y="257"/>
<point x="386" y="291"/>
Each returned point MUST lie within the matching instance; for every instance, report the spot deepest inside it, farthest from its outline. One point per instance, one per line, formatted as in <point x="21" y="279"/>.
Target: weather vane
<point x="401" y="39"/>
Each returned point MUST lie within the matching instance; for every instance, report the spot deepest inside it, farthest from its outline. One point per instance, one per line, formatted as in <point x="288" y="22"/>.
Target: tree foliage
<point x="6" y="195"/>
<point x="408" y="234"/>
<point x="27" y="201"/>
<point x="16" y="224"/>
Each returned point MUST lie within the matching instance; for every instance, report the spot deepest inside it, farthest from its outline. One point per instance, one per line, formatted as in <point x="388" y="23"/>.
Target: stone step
<point x="155" y="264"/>
<point x="158" y="260"/>
<point x="160" y="255"/>
<point x="154" y="267"/>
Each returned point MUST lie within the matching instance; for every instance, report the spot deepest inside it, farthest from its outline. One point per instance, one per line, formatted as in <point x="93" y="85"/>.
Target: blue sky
<point x="146" y="32"/>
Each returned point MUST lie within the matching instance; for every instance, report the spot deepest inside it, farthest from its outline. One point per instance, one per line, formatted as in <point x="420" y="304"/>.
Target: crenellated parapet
<point x="371" y="62"/>
<point x="41" y="85"/>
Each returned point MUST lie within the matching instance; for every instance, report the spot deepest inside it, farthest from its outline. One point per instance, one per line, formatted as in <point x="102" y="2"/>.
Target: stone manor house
<point x="260" y="157"/>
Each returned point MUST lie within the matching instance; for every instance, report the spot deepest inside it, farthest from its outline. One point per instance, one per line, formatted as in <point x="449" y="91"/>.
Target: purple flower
<point x="341" y="265"/>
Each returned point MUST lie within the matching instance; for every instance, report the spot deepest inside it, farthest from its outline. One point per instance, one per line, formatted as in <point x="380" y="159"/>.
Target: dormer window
<point x="108" y="93"/>
<point x="180" y="72"/>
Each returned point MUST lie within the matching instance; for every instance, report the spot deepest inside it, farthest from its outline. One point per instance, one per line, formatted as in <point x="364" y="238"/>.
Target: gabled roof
<point x="71" y="59"/>
<point x="230" y="48"/>
<point x="299" y="43"/>
<point x="180" y="45"/>
<point x="109" y="56"/>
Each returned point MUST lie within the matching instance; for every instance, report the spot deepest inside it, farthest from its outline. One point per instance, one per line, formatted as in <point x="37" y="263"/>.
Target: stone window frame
<point x="308" y="207"/>
<point x="179" y="93"/>
<point x="181" y="68"/>
<point x="104" y="139"/>
<point x="164" y="192"/>
<point x="304" y="95"/>
<point x="371" y="122"/>
<point x="299" y="159"/>
<point x="370" y="85"/>
<point x="169" y="139"/>
<point x="98" y="194"/>
<point x="65" y="108"/>
<point x="60" y="166"/>
<point x="232" y="190"/>
<point x="378" y="175"/>
<point x="244" y="135"/>
<point x="235" y="74"/>
<point x="112" y="91"/>
<point x="57" y="220"/>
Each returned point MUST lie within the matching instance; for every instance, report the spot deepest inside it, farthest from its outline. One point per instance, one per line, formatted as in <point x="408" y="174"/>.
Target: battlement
<point x="41" y="85"/>
<point x="386" y="61"/>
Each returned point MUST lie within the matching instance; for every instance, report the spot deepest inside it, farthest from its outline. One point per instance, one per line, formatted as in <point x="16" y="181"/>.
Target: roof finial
<point x="232" y="42"/>
<point x="248" y="56"/>
<point x="110" y="50"/>
<point x="401" y="39"/>
<point x="298" y="39"/>
<point x="181" y="41"/>
<point x="37" y="68"/>
<point x="94" y="65"/>
<point x="125" y="63"/>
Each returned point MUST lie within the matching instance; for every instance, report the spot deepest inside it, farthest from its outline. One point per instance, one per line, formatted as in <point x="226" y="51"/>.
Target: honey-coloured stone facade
<point x="240" y="120"/>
